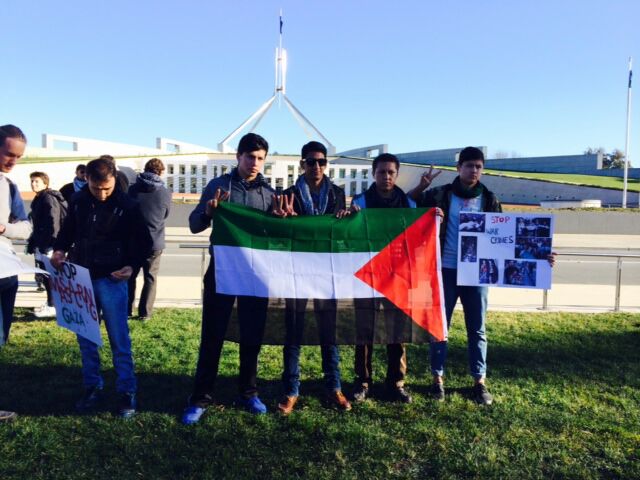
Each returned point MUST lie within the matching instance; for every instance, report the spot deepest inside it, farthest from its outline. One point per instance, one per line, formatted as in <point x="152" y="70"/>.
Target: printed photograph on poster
<point x="506" y="250"/>
<point x="472" y="222"/>
<point x="522" y="273"/>
<point x="468" y="249"/>
<point x="488" y="271"/>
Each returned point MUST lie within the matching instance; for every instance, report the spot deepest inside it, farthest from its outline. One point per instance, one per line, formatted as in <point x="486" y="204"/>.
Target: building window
<point x="267" y="168"/>
<point x="289" y="180"/>
<point x="364" y="186"/>
<point x="354" y="187"/>
<point x="215" y="171"/>
<point x="194" y="169"/>
<point x="204" y="171"/>
<point x="279" y="182"/>
<point x="170" y="183"/>
<point x="194" y="186"/>
<point x="182" y="169"/>
<point x="354" y="173"/>
<point x="223" y="169"/>
<point x="181" y="185"/>
<point x="203" y="182"/>
<point x="342" y="173"/>
<point x="365" y="173"/>
<point x="170" y="169"/>
<point x="332" y="172"/>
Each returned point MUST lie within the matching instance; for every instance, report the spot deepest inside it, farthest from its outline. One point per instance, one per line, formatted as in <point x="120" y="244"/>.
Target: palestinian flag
<point x="391" y="253"/>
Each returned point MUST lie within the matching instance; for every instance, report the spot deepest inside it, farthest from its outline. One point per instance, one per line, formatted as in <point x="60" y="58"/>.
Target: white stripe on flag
<point x="279" y="274"/>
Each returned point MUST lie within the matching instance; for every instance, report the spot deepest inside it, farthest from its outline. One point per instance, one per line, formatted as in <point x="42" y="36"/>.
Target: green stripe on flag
<point x="369" y="230"/>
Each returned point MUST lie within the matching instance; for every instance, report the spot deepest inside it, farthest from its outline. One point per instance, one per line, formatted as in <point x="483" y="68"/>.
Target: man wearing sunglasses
<point x="313" y="194"/>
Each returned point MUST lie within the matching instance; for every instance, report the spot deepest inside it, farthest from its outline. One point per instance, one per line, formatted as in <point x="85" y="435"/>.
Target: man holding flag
<point x="313" y="194"/>
<point x="245" y="185"/>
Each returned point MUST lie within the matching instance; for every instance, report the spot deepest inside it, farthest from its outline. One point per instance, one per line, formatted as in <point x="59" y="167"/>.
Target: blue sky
<point x="535" y="78"/>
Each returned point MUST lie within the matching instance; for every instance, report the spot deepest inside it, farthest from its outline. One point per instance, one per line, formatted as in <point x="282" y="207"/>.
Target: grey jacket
<point x="258" y="196"/>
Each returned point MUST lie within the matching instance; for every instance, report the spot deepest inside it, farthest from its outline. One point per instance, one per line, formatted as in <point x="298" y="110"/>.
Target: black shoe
<point x="361" y="394"/>
<point x="127" y="405"/>
<point x="143" y="318"/>
<point x="399" y="394"/>
<point x="481" y="395"/>
<point x="89" y="400"/>
<point x="437" y="392"/>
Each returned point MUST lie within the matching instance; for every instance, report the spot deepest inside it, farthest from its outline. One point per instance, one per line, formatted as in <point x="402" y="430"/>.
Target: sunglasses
<point x="322" y="162"/>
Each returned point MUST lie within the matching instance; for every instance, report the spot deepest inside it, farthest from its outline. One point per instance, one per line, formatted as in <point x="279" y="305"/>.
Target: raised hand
<point x="427" y="177"/>
<point x="282" y="206"/>
<point x="218" y="197"/>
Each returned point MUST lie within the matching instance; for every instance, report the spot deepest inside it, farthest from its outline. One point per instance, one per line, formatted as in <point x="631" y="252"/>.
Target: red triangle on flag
<point x="407" y="273"/>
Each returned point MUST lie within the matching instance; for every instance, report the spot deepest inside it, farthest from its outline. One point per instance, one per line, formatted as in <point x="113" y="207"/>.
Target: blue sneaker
<point x="192" y="414"/>
<point x="253" y="405"/>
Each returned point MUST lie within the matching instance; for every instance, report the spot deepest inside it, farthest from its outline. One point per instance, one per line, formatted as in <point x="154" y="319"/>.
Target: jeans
<point x="325" y="312"/>
<point x="150" y="268"/>
<point x="216" y="313"/>
<point x="8" y="290"/>
<point x="111" y="299"/>
<point x="474" y="305"/>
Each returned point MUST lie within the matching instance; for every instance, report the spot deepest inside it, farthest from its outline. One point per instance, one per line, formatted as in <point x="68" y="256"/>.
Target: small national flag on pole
<point x="372" y="253"/>
<point x="280" y="23"/>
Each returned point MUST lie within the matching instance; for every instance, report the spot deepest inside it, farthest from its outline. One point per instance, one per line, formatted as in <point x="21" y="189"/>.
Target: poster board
<point x="505" y="250"/>
<point x="74" y="300"/>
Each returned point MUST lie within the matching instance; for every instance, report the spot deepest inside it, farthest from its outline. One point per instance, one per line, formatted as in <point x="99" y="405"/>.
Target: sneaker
<point x="399" y="394"/>
<point x="361" y="394"/>
<point x="481" y="395"/>
<point x="253" y="405"/>
<point x="437" y="392"/>
<point x="338" y="400"/>
<point x="127" y="405"/>
<point x="89" y="400"/>
<point x="6" y="416"/>
<point x="192" y="414"/>
<point x="286" y="405"/>
<point x="45" y="311"/>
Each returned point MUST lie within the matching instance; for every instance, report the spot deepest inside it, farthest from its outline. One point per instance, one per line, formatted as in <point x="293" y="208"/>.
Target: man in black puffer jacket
<point x="155" y="203"/>
<point x="48" y="211"/>
<point x="104" y="232"/>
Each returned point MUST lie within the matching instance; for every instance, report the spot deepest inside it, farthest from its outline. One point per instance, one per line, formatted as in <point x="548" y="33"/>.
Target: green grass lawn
<point x="567" y="405"/>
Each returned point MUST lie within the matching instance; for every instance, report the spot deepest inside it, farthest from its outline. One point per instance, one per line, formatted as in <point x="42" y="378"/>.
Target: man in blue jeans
<point x="104" y="232"/>
<point x="464" y="194"/>
<point x="313" y="194"/>
<point x="14" y="225"/>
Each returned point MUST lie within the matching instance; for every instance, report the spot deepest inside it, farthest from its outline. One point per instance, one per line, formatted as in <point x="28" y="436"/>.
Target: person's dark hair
<point x="252" y="142"/>
<point x="313" y="146"/>
<point x="154" y="165"/>
<point x="108" y="158"/>
<point x="470" y="153"/>
<point x="42" y="175"/>
<point x="385" y="157"/>
<point x="11" y="131"/>
<point x="100" y="169"/>
<point x="81" y="166"/>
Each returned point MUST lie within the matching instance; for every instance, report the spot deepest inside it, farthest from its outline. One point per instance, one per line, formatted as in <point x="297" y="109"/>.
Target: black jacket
<point x="104" y="236"/>
<point x="155" y="203"/>
<point x="48" y="211"/>
<point x="335" y="202"/>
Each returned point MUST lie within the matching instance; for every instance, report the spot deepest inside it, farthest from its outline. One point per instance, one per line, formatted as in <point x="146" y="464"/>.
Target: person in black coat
<point x="155" y="204"/>
<point x="48" y="210"/>
<point x="78" y="183"/>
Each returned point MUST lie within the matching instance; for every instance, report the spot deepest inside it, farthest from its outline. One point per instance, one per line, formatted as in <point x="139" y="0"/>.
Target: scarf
<point x="307" y="198"/>
<point x="78" y="184"/>
<point x="398" y="198"/>
<point x="463" y="192"/>
<point x="257" y="182"/>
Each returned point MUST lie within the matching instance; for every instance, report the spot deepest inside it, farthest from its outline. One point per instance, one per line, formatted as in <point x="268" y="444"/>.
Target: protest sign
<point x="74" y="300"/>
<point x="505" y="250"/>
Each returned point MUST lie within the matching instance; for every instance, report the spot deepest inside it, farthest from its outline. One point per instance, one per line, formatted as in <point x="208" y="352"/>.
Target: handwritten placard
<point x="505" y="250"/>
<point x="74" y="300"/>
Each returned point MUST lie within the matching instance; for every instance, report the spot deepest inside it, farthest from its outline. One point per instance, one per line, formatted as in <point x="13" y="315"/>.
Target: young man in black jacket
<point x="313" y="194"/>
<point x="48" y="211"/>
<point x="155" y="203"/>
<point x="104" y="232"/>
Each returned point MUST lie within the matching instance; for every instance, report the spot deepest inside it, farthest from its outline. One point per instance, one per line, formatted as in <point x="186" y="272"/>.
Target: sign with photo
<point x="505" y="250"/>
<point x="73" y="297"/>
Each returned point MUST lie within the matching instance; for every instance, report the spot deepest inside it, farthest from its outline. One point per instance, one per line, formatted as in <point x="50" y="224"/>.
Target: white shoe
<point x="45" y="311"/>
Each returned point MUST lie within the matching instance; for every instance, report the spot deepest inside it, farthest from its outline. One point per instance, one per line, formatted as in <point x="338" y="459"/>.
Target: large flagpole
<point x="626" y="142"/>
